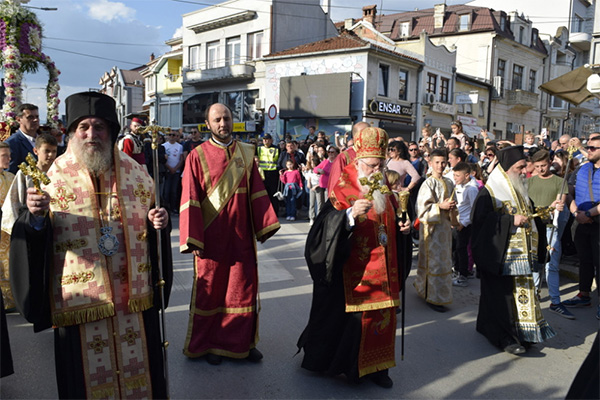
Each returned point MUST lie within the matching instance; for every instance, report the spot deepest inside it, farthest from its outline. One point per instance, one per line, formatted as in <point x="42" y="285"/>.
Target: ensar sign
<point x="384" y="107"/>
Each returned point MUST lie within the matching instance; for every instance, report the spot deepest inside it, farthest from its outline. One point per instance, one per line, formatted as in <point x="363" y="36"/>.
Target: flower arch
<point x="20" y="52"/>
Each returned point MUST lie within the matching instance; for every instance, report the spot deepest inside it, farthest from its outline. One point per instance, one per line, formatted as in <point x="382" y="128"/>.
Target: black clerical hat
<point x="508" y="156"/>
<point x="92" y="104"/>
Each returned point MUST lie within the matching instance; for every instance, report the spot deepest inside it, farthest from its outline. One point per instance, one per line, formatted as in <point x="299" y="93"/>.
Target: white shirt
<point x="174" y="152"/>
<point x="465" y="198"/>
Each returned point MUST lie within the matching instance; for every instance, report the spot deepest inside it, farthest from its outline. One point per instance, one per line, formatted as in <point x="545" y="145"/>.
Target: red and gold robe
<point x="371" y="275"/>
<point x="224" y="209"/>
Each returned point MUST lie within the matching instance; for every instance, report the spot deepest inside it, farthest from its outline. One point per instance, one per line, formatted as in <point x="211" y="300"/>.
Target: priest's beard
<point x="95" y="155"/>
<point x="520" y="185"/>
<point x="379" y="199"/>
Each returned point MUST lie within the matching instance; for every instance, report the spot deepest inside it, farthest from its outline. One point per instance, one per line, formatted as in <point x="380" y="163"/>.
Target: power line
<point x="92" y="56"/>
<point x="110" y="43"/>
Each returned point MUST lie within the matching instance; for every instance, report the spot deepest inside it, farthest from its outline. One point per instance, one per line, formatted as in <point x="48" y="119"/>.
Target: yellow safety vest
<point x="267" y="158"/>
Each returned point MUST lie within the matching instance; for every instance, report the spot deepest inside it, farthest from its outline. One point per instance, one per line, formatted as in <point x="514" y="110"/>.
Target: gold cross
<point x="62" y="198"/>
<point x="142" y="193"/>
<point x="154" y="131"/>
<point x="97" y="344"/>
<point x="30" y="168"/>
<point x="374" y="184"/>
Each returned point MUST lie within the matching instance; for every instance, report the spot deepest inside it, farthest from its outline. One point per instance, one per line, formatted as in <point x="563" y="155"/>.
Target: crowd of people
<point x="475" y="207"/>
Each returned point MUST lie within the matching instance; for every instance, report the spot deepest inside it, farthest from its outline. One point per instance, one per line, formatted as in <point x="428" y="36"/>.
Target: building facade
<point x="127" y="88"/>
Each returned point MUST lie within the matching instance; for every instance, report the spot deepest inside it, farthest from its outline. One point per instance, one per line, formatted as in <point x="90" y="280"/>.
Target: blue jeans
<point x="552" y="267"/>
<point x="290" y="204"/>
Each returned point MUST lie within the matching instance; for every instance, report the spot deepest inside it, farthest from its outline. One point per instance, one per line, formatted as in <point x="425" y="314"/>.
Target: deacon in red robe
<point x="224" y="210"/>
<point x="351" y="252"/>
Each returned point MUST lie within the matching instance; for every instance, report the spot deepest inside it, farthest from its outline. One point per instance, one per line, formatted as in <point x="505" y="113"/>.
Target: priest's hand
<point x="159" y="218"/>
<point x="361" y="207"/>
<point x="404" y="226"/>
<point x="519" y="220"/>
<point x="38" y="204"/>
<point x="198" y="253"/>
<point x="447" y="204"/>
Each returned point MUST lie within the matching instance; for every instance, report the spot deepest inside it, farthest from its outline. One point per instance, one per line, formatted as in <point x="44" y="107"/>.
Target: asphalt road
<point x="444" y="356"/>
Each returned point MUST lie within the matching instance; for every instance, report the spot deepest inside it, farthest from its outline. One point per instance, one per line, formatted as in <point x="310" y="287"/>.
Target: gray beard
<point x="96" y="161"/>
<point x="519" y="183"/>
<point x="379" y="199"/>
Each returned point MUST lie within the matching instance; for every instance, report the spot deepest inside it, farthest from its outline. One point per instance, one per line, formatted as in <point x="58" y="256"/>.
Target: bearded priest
<point x="352" y="257"/>
<point x="83" y="260"/>
<point x="506" y="245"/>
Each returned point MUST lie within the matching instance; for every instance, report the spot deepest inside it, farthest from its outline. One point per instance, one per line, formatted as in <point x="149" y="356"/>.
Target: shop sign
<point x="444" y="108"/>
<point x="386" y="107"/>
<point x="467" y="98"/>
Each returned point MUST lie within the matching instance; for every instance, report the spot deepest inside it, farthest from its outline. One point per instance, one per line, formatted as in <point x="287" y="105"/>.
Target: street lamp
<point x="43" y="8"/>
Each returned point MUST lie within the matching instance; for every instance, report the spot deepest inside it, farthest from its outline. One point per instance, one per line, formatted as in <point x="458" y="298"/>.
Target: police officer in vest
<point x="267" y="161"/>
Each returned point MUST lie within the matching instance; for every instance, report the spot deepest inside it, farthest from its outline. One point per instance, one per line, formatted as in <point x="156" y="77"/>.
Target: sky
<point x="86" y="38"/>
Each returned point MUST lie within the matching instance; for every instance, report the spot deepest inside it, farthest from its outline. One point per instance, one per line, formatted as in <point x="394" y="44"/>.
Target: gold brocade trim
<point x="136" y="382"/>
<point x="193" y="241"/>
<point x="104" y="393"/>
<point x="375" y="368"/>
<point x="70" y="245"/>
<point x="204" y="164"/>
<point x="241" y="190"/>
<point x="77" y="317"/>
<point x="268" y="229"/>
<point x="220" y="194"/>
<point x="143" y="267"/>
<point x="140" y="304"/>
<point x="373" y="306"/>
<point x="188" y="204"/>
<point x="224" y="310"/>
<point x="77" y="277"/>
<point x="258" y="195"/>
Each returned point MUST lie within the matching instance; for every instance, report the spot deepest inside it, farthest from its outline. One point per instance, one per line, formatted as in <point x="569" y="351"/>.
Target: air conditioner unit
<point x="259" y="104"/>
<point x="497" y="91"/>
<point x="429" y="98"/>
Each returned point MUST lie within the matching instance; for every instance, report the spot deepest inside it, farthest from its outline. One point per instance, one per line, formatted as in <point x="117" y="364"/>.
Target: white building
<point x="127" y="88"/>
<point x="222" y="43"/>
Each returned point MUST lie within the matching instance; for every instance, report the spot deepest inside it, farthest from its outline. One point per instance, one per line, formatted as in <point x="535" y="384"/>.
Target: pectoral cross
<point x="374" y="184"/>
<point x="30" y="168"/>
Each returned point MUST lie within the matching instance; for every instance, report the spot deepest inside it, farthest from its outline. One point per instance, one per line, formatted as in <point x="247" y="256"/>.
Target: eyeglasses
<point x="372" y="166"/>
<point x="490" y="154"/>
<point x="332" y="151"/>
<point x="592" y="148"/>
<point x="391" y="150"/>
<point x="32" y="117"/>
<point x="413" y="149"/>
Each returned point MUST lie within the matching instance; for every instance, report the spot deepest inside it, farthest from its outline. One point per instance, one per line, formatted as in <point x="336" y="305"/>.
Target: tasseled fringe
<point x="140" y="304"/>
<point x="519" y="265"/>
<point x="136" y="383"/>
<point x="535" y="332"/>
<point x="78" y="317"/>
<point x="374" y="368"/>
<point x="103" y="393"/>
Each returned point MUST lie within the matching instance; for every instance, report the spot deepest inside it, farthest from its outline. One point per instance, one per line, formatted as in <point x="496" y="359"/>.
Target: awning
<point x="572" y="86"/>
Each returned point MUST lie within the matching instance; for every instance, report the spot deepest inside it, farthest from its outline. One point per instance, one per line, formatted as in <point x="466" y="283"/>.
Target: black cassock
<point x="489" y="241"/>
<point x="331" y="339"/>
<point x="30" y="264"/>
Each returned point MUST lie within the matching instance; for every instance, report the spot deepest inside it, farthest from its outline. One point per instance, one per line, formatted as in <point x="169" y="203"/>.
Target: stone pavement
<point x="444" y="356"/>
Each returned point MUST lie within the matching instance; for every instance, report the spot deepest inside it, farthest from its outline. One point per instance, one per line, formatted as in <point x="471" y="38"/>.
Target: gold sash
<point x="219" y="195"/>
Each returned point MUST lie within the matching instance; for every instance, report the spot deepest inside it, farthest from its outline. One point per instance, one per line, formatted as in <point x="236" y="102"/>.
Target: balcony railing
<point x="230" y="72"/>
<point x="521" y="99"/>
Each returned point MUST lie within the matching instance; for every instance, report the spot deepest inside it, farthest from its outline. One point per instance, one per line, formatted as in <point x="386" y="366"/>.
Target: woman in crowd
<point x="398" y="160"/>
<point x="323" y="170"/>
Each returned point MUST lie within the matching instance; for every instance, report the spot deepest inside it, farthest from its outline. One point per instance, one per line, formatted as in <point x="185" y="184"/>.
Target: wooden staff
<point x="154" y="131"/>
<point x="404" y="197"/>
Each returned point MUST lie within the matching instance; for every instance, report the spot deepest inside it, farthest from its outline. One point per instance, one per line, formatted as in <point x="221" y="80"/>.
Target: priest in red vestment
<point x="224" y="210"/>
<point x="351" y="252"/>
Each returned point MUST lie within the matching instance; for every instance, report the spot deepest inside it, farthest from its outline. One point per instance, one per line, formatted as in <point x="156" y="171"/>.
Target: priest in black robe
<point x="98" y="288"/>
<point x="352" y="256"/>
<point x="506" y="245"/>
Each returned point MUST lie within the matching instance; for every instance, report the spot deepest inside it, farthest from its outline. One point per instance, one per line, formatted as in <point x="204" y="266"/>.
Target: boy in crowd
<point x="46" y="147"/>
<point x="545" y="190"/>
<point x="465" y="198"/>
<point x="434" y="209"/>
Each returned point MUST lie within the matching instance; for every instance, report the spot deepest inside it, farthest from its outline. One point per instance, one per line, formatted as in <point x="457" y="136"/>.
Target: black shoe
<point x="514" y="349"/>
<point x="437" y="307"/>
<point x="398" y="310"/>
<point x="382" y="379"/>
<point x="214" y="359"/>
<point x="254" y="355"/>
